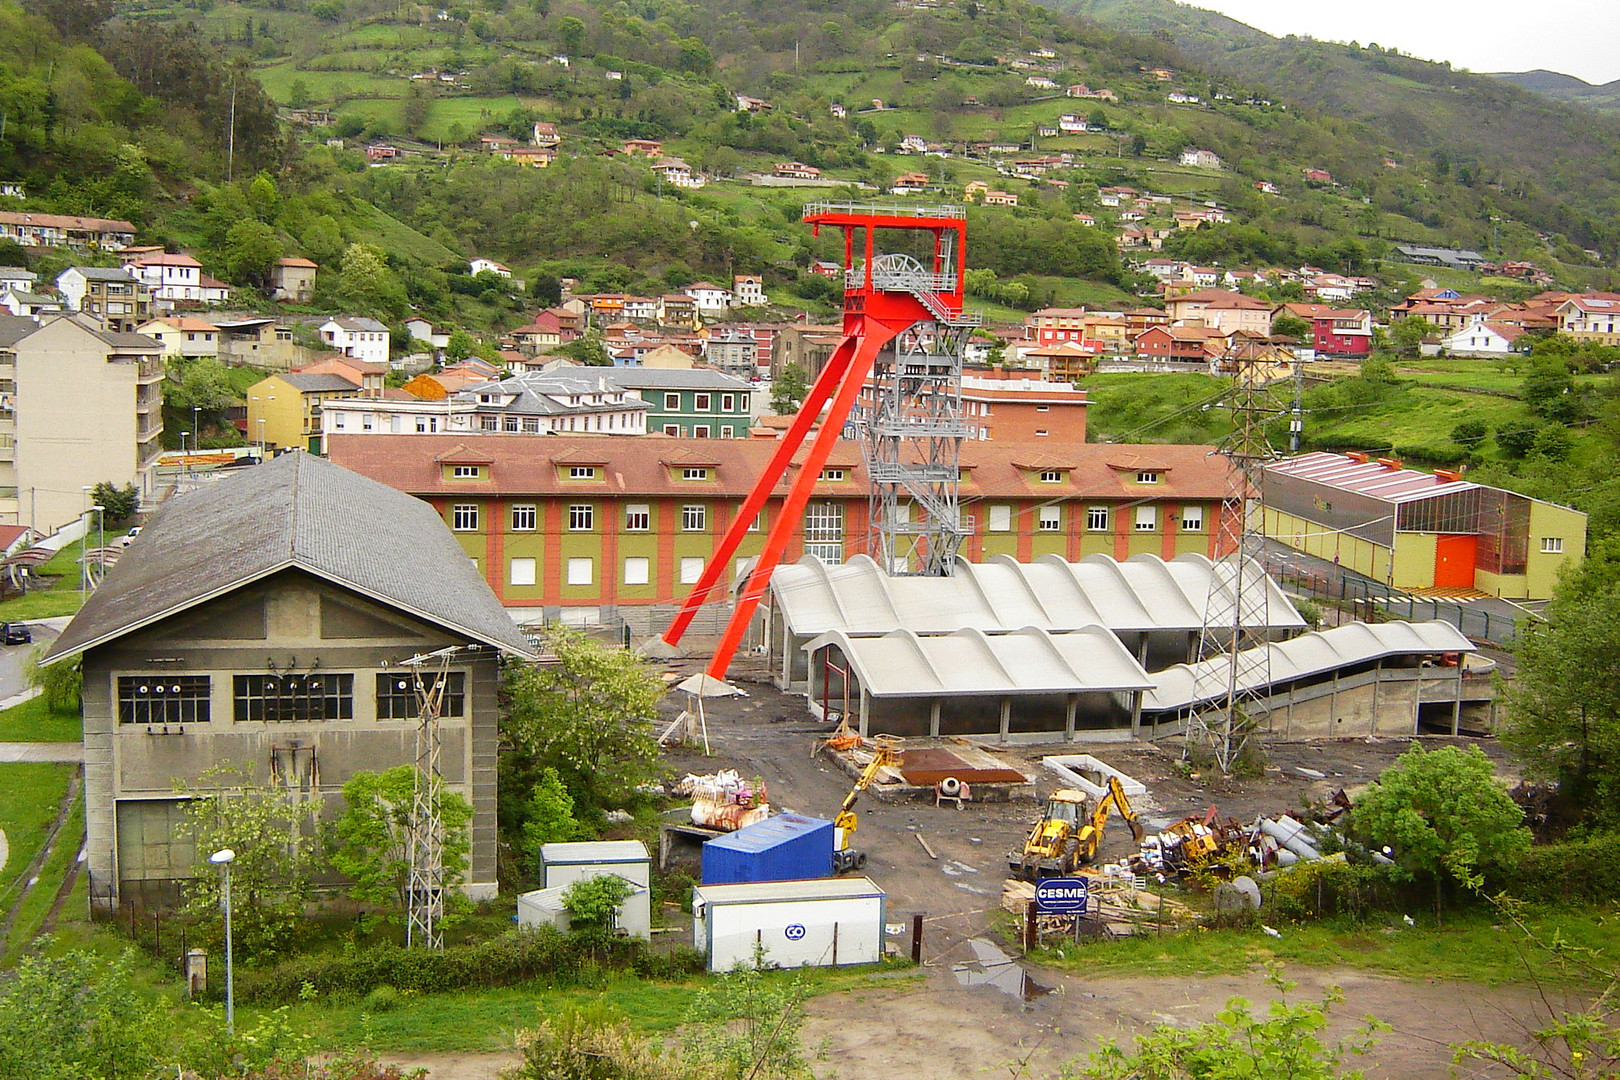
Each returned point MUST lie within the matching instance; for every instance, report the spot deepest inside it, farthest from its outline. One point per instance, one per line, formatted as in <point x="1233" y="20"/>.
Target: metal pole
<point x="230" y="974"/>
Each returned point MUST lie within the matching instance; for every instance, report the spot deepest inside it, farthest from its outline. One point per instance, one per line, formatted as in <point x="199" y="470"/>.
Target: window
<point x="582" y="472"/>
<point x="672" y="429"/>
<point x="524" y="517"/>
<point x="294" y="697"/>
<point x="728" y="432"/>
<point x="694" y="474"/>
<point x="1147" y="518"/>
<point x="999" y="519"/>
<point x="531" y="425"/>
<point x="1192" y="519"/>
<point x="1097" y="519"/>
<point x="1051" y="476"/>
<point x="833" y="475"/>
<point x="464" y="472"/>
<point x="694" y="516"/>
<point x="1552" y="545"/>
<point x="637" y="517"/>
<point x="728" y="402"/>
<point x="1147" y="477"/>
<point x="464" y="517"/>
<point x="1043" y="408"/>
<point x="635" y="571"/>
<point x="1051" y="519"/>
<point x="522" y="572"/>
<point x="580" y="571"/>
<point x="824" y="531"/>
<point x="338" y="420"/>
<point x="700" y="431"/>
<point x="672" y="403"/>
<point x="1040" y="432"/>
<point x="702" y="402"/>
<point x="581" y="517"/>
<point x="510" y="424"/>
<point x="396" y="694"/>
<point x="489" y="423"/>
<point x="691" y="570"/>
<point x="172" y="699"/>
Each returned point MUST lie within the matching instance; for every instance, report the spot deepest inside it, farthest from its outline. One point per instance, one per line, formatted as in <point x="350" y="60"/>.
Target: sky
<point x="1576" y="37"/>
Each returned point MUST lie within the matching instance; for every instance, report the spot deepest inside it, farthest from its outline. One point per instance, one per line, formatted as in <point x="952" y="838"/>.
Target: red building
<point x="1050" y="326"/>
<point x="1182" y="344"/>
<point x="1334" y="331"/>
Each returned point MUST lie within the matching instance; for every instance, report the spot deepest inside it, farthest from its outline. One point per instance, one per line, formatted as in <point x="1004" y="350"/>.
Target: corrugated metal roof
<point x="1026" y="661"/>
<point x="593" y="851"/>
<point x="1142" y="593"/>
<point x="789" y="891"/>
<point x="1306" y="655"/>
<point x="1367" y="477"/>
<point x="770" y="833"/>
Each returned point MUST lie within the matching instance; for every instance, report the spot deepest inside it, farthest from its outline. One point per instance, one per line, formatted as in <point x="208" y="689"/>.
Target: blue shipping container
<point x="786" y="847"/>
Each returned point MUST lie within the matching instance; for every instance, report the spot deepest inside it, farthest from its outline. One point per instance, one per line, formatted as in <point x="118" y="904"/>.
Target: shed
<point x="787" y="847"/>
<point x="544" y="907"/>
<point x="825" y="923"/>
<point x="564" y="864"/>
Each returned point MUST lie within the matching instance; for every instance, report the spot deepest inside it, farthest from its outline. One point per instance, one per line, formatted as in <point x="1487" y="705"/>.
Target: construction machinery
<point x="884" y="755"/>
<point x="1066" y="836"/>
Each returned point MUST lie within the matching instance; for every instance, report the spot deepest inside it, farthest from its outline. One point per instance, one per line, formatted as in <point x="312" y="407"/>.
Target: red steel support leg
<point x="871" y="338"/>
<point x="829" y="379"/>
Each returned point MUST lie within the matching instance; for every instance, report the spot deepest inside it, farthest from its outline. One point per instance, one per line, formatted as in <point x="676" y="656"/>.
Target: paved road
<point x="70" y="753"/>
<point x="12" y="681"/>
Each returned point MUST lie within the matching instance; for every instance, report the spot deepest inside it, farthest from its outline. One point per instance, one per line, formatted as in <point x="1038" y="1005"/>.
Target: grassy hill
<point x="1568" y="89"/>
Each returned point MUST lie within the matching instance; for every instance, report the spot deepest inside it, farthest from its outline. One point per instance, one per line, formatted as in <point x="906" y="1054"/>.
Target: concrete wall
<point x="77" y="423"/>
<point x="1414" y="560"/>
<point x="298" y="623"/>
<point x="1352" y="552"/>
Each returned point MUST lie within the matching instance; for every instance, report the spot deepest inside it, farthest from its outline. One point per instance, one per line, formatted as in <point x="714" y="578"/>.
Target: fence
<point x="1373" y="601"/>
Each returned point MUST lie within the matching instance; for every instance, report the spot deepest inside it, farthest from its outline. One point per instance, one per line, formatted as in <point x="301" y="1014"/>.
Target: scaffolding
<point x="1236" y="608"/>
<point x="424" y="890"/>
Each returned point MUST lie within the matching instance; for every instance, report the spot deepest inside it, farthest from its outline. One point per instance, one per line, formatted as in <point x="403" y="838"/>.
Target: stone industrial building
<point x="261" y="621"/>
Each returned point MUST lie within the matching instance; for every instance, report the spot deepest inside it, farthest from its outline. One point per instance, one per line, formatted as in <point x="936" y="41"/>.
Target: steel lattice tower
<point x="425" y="884"/>
<point x="911" y="438"/>
<point x="1237" y="618"/>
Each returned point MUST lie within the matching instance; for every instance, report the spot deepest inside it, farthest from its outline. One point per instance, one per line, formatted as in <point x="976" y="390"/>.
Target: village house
<point x="1195" y="346"/>
<point x="910" y="183"/>
<point x="749" y="290"/>
<point x="795" y="170"/>
<point x="1482" y="338"/>
<point x="645" y="147"/>
<point x="182" y="335"/>
<point x="677" y="173"/>
<point x="64" y="230"/>
<point x="119" y="301"/>
<point x="1200" y="159"/>
<point x="1591" y="317"/>
<point x="423" y="332"/>
<point x="1222" y="310"/>
<point x="482" y="265"/>
<point x="1049" y="326"/>
<point x="710" y="299"/>
<point x="1334" y="331"/>
<point x="263" y="342"/>
<point x="545" y="134"/>
<point x="293" y="280"/>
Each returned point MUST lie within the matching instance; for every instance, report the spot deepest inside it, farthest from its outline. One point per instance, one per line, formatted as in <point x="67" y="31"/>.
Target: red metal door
<point x="1454" y="562"/>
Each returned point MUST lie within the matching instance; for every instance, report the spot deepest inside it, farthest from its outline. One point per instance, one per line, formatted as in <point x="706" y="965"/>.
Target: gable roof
<point x="295" y="512"/>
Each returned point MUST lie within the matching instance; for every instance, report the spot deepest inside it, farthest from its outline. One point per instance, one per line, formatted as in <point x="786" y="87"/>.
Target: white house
<point x="183" y="335"/>
<point x="15" y="277"/>
<point x="424" y="331"/>
<point x="677" y="173"/>
<point x="176" y="279"/>
<point x="479" y="265"/>
<point x="1073" y="123"/>
<point x="711" y="299"/>
<point x="28" y="305"/>
<point x="1040" y="82"/>
<point x="1481" y="338"/>
<point x="749" y="290"/>
<point x="1200" y="159"/>
<point x="361" y="338"/>
<point x="1177" y="97"/>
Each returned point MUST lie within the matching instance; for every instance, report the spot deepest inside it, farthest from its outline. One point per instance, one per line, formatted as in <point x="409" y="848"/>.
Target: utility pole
<point x="230" y="138"/>
<point x="1296" y="423"/>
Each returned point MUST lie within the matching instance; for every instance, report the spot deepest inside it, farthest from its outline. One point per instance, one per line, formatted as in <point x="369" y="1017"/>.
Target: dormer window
<point x="1052" y="476"/>
<point x="833" y="476"/>
<point x="582" y="472"/>
<point x="694" y="473"/>
<point x="1147" y="476"/>
<point x="465" y="472"/>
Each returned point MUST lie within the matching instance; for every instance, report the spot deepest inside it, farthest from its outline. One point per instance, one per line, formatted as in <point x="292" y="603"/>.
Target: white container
<point x="544" y="907"/>
<point x="564" y="864"/>
<point x="820" y="923"/>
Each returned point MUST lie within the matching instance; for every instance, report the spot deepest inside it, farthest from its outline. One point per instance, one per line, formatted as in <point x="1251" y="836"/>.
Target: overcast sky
<point x="1576" y="37"/>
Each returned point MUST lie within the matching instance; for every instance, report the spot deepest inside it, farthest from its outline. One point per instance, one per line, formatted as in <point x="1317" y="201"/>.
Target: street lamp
<point x="223" y="859"/>
<point x="196" y="424"/>
<point x="101" y="541"/>
<point x="184" y="435"/>
<point x="84" y="537"/>
<point x="263" y="450"/>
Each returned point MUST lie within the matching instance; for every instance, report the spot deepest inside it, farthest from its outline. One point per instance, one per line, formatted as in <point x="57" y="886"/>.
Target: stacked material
<point x="724" y="800"/>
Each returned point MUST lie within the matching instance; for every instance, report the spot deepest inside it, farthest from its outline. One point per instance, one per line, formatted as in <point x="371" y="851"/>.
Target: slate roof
<point x="294" y="512"/>
<point x="675" y="379"/>
<point x="13" y="328"/>
<point x="306" y="383"/>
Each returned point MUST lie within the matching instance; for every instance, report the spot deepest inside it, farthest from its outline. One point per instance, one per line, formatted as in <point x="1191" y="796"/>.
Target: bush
<point x="1574" y="871"/>
<point x="383" y="999"/>
<point x="1331" y="888"/>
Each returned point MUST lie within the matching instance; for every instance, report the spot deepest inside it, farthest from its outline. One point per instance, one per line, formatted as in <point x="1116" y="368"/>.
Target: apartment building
<point x="696" y="403"/>
<point x="79" y="405"/>
<point x="591" y="530"/>
<point x="110" y="295"/>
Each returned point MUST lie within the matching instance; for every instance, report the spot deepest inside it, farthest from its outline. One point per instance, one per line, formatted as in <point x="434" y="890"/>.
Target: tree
<point x="1469" y="433"/>
<point x="1291" y="326"/>
<point x="589" y="716"/>
<point x="1286" y="1043"/>
<point x="550" y="815"/>
<point x="1550" y="392"/>
<point x="367" y="285"/>
<point x="61" y="684"/>
<point x="374" y="835"/>
<point x="269" y="827"/>
<point x="1409" y="333"/>
<point x="1563" y="705"/>
<point x="570" y="34"/>
<point x="789" y="390"/>
<point x="264" y="198"/>
<point x="459" y="346"/>
<point x="74" y="1016"/>
<point x="118" y="504"/>
<point x="1442" y="815"/>
<point x="252" y="250"/>
<point x="202" y="383"/>
<point x="593" y="902"/>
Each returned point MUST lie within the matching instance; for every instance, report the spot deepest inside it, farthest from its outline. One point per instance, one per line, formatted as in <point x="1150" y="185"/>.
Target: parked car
<point x="129" y="537"/>
<point x="16" y="633"/>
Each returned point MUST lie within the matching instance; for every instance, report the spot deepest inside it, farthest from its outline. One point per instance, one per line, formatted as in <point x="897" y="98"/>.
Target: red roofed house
<point x="1180" y="344"/>
<point x="293" y="280"/>
<point x="1048" y="326"/>
<point x="1591" y="317"/>
<point x="1334" y="331"/>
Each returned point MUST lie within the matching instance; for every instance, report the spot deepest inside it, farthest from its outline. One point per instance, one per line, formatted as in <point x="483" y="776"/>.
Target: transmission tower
<point x="425" y="885"/>
<point x="1237" y="618"/>
<point x="911" y="438"/>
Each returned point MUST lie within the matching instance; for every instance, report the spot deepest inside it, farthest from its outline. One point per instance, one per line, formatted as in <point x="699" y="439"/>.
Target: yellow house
<point x="1415" y="530"/>
<point x="284" y="411"/>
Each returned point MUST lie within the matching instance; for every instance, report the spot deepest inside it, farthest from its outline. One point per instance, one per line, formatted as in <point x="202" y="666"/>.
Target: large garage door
<point x="1454" y="562"/>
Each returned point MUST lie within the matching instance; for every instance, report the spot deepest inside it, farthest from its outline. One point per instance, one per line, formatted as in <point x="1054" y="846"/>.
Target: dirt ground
<point x="937" y="1028"/>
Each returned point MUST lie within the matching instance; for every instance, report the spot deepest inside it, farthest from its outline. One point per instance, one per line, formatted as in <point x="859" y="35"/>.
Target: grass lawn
<point x="483" y="1020"/>
<point x="1472" y="946"/>
<point x="36" y="906"/>
<point x="1138" y="407"/>
<point x="29" y="795"/>
<point x="32" y="721"/>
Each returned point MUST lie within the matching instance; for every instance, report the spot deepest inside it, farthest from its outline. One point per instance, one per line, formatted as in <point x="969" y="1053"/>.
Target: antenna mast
<point x="425" y="885"/>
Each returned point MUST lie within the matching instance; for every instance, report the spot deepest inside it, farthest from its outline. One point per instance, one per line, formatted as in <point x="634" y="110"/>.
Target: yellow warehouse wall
<point x="1414" y="560"/>
<point x="1354" y="553"/>
<point x="1541" y="571"/>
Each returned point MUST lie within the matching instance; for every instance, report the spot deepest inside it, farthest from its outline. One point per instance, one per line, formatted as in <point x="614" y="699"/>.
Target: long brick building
<point x="596" y="530"/>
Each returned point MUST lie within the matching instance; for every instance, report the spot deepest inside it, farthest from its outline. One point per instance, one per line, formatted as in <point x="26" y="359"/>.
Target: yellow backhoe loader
<point x="846" y="858"/>
<point x="1066" y="836"/>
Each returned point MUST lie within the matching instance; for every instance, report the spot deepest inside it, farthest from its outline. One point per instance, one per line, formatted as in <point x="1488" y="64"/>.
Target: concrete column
<point x="1456" y="703"/>
<point x="866" y="700"/>
<point x="1006" y="718"/>
<point x="933" y="718"/>
<point x="1071" y="706"/>
<point x="1136" y="714"/>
